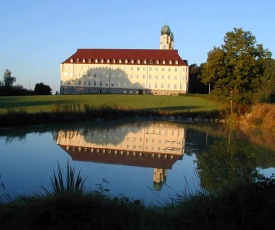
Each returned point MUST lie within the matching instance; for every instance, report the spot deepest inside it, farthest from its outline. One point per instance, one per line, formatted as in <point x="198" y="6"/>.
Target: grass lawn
<point x="33" y="104"/>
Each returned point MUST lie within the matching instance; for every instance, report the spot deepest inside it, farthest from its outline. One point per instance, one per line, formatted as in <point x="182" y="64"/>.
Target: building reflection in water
<point x="156" y="145"/>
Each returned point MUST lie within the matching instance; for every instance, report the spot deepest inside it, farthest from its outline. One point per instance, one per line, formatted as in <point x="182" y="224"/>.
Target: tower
<point x="166" y="38"/>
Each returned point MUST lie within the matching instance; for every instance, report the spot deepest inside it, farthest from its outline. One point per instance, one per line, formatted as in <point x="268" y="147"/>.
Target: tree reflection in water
<point x="227" y="164"/>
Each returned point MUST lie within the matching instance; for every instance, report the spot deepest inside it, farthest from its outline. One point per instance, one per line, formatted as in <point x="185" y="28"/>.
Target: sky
<point x="37" y="35"/>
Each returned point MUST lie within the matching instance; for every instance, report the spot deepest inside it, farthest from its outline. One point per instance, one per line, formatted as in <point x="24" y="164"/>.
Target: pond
<point x="149" y="160"/>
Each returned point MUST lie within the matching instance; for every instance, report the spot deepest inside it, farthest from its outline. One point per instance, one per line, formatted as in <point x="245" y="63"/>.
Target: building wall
<point x="85" y="78"/>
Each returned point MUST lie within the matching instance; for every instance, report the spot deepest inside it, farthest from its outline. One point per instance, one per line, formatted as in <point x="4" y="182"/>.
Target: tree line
<point x="7" y="87"/>
<point x="240" y="71"/>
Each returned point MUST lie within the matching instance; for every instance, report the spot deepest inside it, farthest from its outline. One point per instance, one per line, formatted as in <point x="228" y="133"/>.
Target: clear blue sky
<point x="37" y="35"/>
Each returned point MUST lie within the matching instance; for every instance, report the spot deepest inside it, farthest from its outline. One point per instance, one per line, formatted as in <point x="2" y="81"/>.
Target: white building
<point x="126" y="71"/>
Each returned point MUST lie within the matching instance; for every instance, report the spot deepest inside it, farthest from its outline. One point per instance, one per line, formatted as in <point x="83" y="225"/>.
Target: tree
<point x="42" y="89"/>
<point x="236" y="69"/>
<point x="8" y="80"/>
<point x="195" y="85"/>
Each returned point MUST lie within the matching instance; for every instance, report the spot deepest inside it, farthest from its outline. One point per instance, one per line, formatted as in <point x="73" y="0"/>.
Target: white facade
<point x="126" y="71"/>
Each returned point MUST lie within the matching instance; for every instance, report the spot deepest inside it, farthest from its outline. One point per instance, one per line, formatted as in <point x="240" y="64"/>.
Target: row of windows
<point x="125" y="76"/>
<point x="150" y="86"/>
<point x="131" y="68"/>
<point x="126" y="61"/>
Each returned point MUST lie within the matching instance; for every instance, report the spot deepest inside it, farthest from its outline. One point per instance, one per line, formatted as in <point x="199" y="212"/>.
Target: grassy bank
<point x="35" y="110"/>
<point x="69" y="206"/>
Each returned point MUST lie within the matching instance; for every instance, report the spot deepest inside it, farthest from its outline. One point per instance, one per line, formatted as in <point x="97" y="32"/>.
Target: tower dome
<point x="165" y="30"/>
<point x="172" y="36"/>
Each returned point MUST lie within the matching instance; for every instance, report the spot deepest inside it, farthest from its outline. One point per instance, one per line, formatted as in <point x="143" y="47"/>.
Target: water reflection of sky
<point x="28" y="163"/>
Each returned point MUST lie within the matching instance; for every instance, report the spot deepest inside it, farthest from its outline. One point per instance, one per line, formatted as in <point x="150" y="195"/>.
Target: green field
<point x="33" y="104"/>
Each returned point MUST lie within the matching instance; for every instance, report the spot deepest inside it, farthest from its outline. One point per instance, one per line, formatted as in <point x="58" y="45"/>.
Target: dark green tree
<point x="8" y="80"/>
<point x="195" y="84"/>
<point x="236" y="69"/>
<point x="42" y="89"/>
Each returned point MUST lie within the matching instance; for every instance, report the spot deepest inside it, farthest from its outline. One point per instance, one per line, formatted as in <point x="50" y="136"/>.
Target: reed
<point x="72" y="183"/>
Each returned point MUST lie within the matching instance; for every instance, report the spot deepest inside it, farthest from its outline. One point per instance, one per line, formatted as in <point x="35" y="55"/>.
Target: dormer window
<point x="145" y="61"/>
<point x="170" y="62"/>
<point x="96" y="60"/>
<point x="120" y="61"/>
<point x="177" y="62"/>
<point x="126" y="61"/>
<point x="151" y="61"/>
<point x="72" y="60"/>
<point x="83" y="60"/>
<point x="77" y="60"/>
<point x="157" y="61"/>
<point x="108" y="60"/>
<point x="89" y="60"/>
<point x="114" y="60"/>
<point x="102" y="60"/>
<point x="163" y="62"/>
<point x="138" y="61"/>
<point x="132" y="61"/>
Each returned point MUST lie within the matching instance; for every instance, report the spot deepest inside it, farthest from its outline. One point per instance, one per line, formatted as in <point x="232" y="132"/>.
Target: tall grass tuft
<point x="3" y="196"/>
<point x="69" y="184"/>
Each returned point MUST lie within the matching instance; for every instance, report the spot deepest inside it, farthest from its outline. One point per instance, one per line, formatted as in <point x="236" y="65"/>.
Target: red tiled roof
<point x="171" y="57"/>
<point x="140" y="161"/>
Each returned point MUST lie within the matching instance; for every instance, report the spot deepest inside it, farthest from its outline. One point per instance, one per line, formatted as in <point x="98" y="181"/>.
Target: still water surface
<point x="153" y="161"/>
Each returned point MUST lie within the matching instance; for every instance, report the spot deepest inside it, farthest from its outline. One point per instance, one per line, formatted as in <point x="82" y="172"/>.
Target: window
<point x="72" y="60"/>
<point x="102" y="60"/>
<point x="137" y="76"/>
<point x="106" y="84"/>
<point x="168" y="76"/>
<point x="149" y="85"/>
<point x="150" y="68"/>
<point x="169" y="69"/>
<point x="96" y="60"/>
<point x="163" y="68"/>
<point x="168" y="86"/>
<point x="162" y="76"/>
<point x="162" y="86"/>
<point x="175" y="77"/>
<point x="79" y="82"/>
<point x="150" y="76"/>
<point x="94" y="74"/>
<point x="156" y="68"/>
<point x="163" y="62"/>
<point x="89" y="82"/>
<point x="84" y="83"/>
<point x="131" y="75"/>
<point x="176" y="69"/>
<point x="144" y="76"/>
<point x="144" y="68"/>
<point x="100" y="83"/>
<point x="113" y="83"/>
<point x="156" y="77"/>
<point x="175" y="86"/>
<point x="126" y="61"/>
<point x="156" y="85"/>
<point x="94" y="83"/>
<point x="170" y="62"/>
